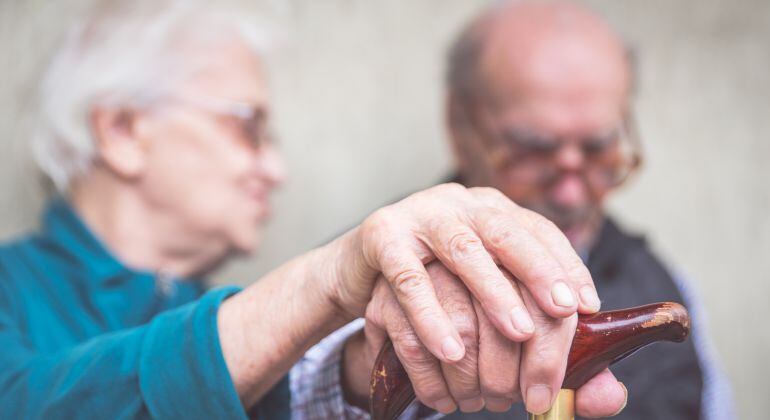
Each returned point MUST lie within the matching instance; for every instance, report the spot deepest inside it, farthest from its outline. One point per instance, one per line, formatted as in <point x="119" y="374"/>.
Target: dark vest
<point x="664" y="379"/>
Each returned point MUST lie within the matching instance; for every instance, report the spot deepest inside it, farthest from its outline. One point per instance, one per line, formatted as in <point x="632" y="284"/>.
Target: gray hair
<point x="463" y="59"/>
<point x="122" y="54"/>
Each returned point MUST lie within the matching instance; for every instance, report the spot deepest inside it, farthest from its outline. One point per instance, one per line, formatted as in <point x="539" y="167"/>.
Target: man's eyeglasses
<point x="609" y="156"/>
<point x="525" y="144"/>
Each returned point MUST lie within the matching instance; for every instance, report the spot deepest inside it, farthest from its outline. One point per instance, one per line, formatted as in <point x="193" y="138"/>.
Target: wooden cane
<point x="601" y="339"/>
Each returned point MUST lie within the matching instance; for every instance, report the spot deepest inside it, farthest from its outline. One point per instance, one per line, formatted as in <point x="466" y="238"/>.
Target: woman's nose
<point x="272" y="166"/>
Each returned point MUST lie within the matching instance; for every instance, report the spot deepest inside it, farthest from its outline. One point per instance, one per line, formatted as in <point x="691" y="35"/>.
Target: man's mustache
<point x="564" y="216"/>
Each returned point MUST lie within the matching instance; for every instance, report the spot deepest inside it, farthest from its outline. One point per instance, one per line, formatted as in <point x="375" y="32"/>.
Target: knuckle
<point x="451" y="188"/>
<point x="468" y="331"/>
<point x="428" y="382"/>
<point x="377" y="306"/>
<point x="499" y="386"/>
<point x="430" y="389"/>
<point x="414" y="354"/>
<point x="463" y="246"/>
<point x="408" y="283"/>
<point x="375" y="233"/>
<point x="463" y="380"/>
<point x="377" y="223"/>
<point x="543" y="271"/>
<point x="485" y="191"/>
<point x="547" y="362"/>
<point x="455" y="302"/>
<point x="464" y="388"/>
<point x="491" y="214"/>
<point x="489" y="193"/>
<point x="448" y="194"/>
<point x="501" y="236"/>
<point x="499" y="405"/>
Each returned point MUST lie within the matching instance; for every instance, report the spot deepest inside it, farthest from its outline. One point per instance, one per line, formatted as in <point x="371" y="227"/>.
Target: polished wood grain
<point x="600" y="340"/>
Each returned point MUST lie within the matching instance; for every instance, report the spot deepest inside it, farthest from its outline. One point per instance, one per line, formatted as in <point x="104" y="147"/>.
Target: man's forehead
<point x="538" y="54"/>
<point x="561" y="118"/>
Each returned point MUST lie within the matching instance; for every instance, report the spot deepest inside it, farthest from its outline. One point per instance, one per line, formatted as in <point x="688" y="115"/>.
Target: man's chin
<point x="580" y="227"/>
<point x="566" y="219"/>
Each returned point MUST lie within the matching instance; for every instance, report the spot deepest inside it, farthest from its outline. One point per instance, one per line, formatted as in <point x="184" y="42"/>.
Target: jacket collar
<point x="63" y="228"/>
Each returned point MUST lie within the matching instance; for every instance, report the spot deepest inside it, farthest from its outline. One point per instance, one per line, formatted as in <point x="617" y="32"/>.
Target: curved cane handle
<point x="601" y="339"/>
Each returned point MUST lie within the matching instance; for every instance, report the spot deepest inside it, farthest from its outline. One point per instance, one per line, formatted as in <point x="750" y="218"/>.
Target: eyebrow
<point x="526" y="133"/>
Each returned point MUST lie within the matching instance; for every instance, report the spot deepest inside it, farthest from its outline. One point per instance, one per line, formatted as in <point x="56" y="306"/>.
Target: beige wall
<point x="358" y="96"/>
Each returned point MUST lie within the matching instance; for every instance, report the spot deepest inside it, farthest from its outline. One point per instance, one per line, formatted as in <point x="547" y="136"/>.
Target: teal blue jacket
<point x="83" y="336"/>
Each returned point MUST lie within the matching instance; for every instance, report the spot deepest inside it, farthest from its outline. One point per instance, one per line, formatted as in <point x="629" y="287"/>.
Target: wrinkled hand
<point x="495" y="372"/>
<point x="471" y="232"/>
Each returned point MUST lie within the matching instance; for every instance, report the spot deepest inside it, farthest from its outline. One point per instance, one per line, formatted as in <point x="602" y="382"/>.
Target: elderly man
<point x="154" y="130"/>
<point x="539" y="108"/>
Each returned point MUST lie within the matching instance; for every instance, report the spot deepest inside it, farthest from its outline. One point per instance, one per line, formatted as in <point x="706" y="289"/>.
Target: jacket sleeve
<point x="171" y="367"/>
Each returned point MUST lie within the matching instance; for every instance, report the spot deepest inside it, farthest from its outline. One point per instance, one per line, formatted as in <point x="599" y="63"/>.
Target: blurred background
<point x="358" y="99"/>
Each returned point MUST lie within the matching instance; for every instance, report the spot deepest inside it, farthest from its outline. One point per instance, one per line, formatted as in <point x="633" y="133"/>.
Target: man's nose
<point x="570" y="156"/>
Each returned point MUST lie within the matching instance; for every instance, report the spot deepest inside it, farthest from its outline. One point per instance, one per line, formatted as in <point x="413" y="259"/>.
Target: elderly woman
<point x="153" y="128"/>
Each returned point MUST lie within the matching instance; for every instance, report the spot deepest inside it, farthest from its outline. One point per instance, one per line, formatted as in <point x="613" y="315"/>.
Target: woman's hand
<point x="471" y="232"/>
<point x="265" y="329"/>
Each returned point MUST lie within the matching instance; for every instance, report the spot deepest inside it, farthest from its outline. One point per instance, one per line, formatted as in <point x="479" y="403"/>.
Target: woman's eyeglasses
<point x="250" y="121"/>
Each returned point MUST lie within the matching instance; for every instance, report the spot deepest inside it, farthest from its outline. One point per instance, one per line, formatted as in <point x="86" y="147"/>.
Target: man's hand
<point x="495" y="371"/>
<point x="471" y="232"/>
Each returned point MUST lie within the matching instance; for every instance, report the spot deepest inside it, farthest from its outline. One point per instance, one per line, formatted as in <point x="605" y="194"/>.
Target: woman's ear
<point x="118" y="147"/>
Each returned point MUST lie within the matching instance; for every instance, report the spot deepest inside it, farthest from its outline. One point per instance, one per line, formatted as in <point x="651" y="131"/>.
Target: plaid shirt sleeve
<point x="316" y="392"/>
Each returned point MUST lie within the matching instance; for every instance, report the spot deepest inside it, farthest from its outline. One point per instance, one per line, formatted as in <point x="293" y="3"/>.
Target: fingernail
<point x="452" y="349"/>
<point x="471" y="406"/>
<point x="522" y="321"/>
<point x="498" y="405"/>
<point x="538" y="399"/>
<point x="562" y="295"/>
<point x="445" y="405"/>
<point x="589" y="298"/>
<point x="625" y="401"/>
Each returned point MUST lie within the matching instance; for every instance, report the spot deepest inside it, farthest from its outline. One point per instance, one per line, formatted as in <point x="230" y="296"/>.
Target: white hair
<point x="123" y="54"/>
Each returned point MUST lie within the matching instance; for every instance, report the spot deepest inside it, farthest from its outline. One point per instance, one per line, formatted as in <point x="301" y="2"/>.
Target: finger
<point x="506" y="231"/>
<point x="498" y="365"/>
<point x="423" y="369"/>
<point x="379" y="309"/>
<point x="578" y="276"/>
<point x="461" y="377"/>
<point x="601" y="396"/>
<point x="394" y="253"/>
<point x="462" y="251"/>
<point x="544" y="357"/>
